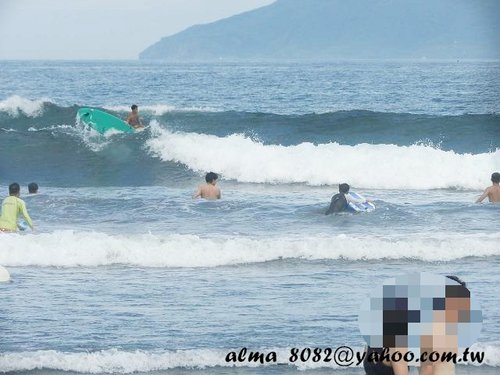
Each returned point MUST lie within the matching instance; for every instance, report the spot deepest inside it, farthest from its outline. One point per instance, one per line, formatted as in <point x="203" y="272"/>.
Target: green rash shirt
<point x="12" y="206"/>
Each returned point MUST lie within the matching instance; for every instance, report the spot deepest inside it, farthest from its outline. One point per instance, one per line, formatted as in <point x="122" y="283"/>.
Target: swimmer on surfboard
<point x="341" y="200"/>
<point x="133" y="118"/>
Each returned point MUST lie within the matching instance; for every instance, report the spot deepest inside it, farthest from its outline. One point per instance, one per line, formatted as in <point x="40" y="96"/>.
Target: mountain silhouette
<point x="341" y="29"/>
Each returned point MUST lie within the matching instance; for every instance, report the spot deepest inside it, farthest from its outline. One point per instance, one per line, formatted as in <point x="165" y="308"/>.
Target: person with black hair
<point x="341" y="200"/>
<point x="377" y="361"/>
<point x="209" y="190"/>
<point x="493" y="191"/>
<point x="33" y="188"/>
<point x="12" y="207"/>
<point x="454" y="310"/>
<point x="133" y="118"/>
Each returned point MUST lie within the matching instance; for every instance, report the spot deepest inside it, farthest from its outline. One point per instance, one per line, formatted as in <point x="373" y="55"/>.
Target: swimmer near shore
<point x="12" y="208"/>
<point x="210" y="190"/>
<point x="344" y="200"/>
<point x="493" y="191"/>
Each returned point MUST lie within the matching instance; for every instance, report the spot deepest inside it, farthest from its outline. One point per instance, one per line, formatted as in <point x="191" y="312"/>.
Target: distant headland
<point x="339" y="29"/>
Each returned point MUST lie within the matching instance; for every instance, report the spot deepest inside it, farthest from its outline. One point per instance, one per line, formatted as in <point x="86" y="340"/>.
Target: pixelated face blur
<point x="420" y="311"/>
<point x="457" y="304"/>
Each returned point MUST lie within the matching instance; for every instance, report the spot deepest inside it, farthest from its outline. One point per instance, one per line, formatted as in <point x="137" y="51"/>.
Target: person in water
<point x="377" y="361"/>
<point x="133" y="118"/>
<point x="493" y="191"/>
<point x="33" y="188"/>
<point x="12" y="207"/>
<point x="341" y="200"/>
<point x="209" y="190"/>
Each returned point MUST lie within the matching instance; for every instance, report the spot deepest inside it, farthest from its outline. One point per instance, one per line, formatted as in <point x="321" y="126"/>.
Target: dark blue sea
<point x="125" y="273"/>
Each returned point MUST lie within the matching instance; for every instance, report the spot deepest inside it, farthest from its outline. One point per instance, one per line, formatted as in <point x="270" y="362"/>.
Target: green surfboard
<point x="102" y="121"/>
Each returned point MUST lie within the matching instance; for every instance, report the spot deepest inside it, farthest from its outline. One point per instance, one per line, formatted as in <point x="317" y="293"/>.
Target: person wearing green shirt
<point x="12" y="207"/>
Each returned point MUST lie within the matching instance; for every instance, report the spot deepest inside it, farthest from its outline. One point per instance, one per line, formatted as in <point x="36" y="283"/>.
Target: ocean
<point x="126" y="273"/>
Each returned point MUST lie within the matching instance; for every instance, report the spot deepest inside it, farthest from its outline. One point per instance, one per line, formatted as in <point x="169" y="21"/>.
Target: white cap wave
<point x="125" y="362"/>
<point x="89" y="249"/>
<point x="16" y="105"/>
<point x="159" y="109"/>
<point x="383" y="166"/>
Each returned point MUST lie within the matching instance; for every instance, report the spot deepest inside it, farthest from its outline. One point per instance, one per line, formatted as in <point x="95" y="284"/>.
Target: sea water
<point x="126" y="273"/>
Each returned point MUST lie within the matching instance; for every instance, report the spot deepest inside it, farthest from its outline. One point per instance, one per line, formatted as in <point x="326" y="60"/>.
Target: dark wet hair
<point x="33" y="187"/>
<point x="344" y="188"/>
<point x="211" y="176"/>
<point x="495" y="178"/>
<point x="134" y="106"/>
<point x="14" y="188"/>
<point x="455" y="291"/>
<point x="457" y="279"/>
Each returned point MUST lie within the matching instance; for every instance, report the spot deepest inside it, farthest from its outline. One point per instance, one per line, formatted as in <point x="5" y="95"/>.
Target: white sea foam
<point x="121" y="362"/>
<point x="75" y="249"/>
<point x="491" y="353"/>
<point x="50" y="128"/>
<point x="160" y="109"/>
<point x="16" y="105"/>
<point x="126" y="362"/>
<point x="93" y="139"/>
<point x="383" y="166"/>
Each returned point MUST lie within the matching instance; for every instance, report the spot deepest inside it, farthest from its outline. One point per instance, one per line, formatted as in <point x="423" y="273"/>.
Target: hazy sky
<point x="101" y="29"/>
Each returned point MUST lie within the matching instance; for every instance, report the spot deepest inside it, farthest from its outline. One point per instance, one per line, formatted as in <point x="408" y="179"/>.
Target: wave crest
<point x="89" y="249"/>
<point x="16" y="105"/>
<point x="379" y="166"/>
<point x="125" y="362"/>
